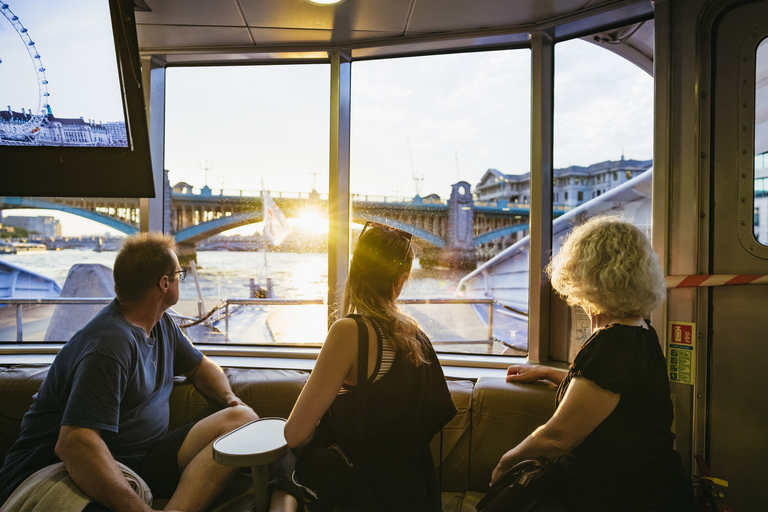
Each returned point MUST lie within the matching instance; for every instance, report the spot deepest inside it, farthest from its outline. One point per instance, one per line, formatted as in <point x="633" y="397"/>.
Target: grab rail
<point x="261" y="302"/>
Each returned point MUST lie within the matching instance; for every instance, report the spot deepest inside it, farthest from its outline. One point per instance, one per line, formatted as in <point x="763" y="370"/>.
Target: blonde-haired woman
<point x="407" y="397"/>
<point x="611" y="431"/>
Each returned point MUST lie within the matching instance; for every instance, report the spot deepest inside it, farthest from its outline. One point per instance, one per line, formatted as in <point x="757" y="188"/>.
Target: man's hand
<point x="234" y="402"/>
<point x="93" y="469"/>
<point x="210" y="380"/>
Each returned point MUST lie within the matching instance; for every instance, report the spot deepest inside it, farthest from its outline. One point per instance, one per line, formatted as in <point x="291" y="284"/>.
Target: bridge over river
<point x="455" y="232"/>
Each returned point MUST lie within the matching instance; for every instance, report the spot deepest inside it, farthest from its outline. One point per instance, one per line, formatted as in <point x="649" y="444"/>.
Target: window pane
<point x="603" y="139"/>
<point x="229" y="132"/>
<point x="424" y="128"/>
<point x="761" y="144"/>
<point x="39" y="247"/>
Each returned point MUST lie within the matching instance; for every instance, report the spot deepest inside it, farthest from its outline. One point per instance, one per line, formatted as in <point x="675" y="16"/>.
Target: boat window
<point x="439" y="144"/>
<point x="761" y="144"/>
<point x="234" y="135"/>
<point x="603" y="127"/>
<point x="247" y="159"/>
<point x="41" y="243"/>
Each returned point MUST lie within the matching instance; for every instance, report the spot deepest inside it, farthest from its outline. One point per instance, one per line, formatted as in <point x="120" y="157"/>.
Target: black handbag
<point x="521" y="488"/>
<point x="323" y="469"/>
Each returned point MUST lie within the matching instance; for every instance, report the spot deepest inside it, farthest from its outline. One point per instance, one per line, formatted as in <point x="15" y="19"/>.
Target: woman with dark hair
<point x="408" y="400"/>
<point x="611" y="432"/>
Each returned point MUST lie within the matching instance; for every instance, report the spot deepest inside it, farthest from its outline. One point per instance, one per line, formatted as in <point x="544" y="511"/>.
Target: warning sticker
<point x="680" y="357"/>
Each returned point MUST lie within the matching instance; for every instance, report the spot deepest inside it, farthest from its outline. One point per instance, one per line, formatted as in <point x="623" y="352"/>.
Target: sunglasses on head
<point x="399" y="232"/>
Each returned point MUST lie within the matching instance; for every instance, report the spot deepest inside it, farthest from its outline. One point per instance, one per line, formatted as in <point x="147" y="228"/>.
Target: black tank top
<point x="406" y="407"/>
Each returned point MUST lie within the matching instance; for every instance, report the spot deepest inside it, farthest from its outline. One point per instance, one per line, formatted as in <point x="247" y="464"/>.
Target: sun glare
<point x="310" y="220"/>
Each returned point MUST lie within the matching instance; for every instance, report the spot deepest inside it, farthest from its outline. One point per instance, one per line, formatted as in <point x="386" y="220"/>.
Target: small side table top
<point x="254" y="444"/>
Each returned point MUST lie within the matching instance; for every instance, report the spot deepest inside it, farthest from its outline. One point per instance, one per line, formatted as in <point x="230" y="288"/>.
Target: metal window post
<point x="339" y="204"/>
<point x="542" y="119"/>
<point x="152" y="210"/>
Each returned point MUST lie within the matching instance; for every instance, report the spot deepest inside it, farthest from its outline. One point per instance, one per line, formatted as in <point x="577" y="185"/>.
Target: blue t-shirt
<point x="110" y="377"/>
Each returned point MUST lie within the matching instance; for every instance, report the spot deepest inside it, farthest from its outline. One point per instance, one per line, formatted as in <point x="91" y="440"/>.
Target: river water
<point x="226" y="275"/>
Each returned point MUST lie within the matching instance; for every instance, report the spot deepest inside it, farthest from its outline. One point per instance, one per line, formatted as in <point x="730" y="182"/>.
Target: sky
<point x="418" y="124"/>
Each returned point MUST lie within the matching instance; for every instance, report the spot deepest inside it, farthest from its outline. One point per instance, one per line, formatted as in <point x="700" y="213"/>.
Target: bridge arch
<point x="200" y="232"/>
<point x="498" y="233"/>
<point x="33" y="202"/>
<point x="419" y="233"/>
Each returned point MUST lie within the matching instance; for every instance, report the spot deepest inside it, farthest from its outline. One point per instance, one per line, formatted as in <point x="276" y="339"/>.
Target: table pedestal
<point x="255" y="445"/>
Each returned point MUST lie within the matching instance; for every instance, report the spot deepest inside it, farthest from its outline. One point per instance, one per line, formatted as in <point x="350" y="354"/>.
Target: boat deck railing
<point x="18" y="303"/>
<point x="425" y="301"/>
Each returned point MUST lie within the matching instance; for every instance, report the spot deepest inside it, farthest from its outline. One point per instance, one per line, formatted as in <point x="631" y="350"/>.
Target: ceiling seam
<point x="245" y="21"/>
<point x="408" y="18"/>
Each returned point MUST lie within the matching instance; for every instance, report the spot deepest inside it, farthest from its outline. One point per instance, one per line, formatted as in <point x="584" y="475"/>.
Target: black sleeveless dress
<point x="405" y="409"/>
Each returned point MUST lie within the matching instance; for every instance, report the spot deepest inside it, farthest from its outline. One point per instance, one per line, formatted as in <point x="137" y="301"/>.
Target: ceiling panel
<point x="168" y="37"/>
<point x="351" y="15"/>
<point x="455" y="15"/>
<point x="279" y="36"/>
<point x="191" y="12"/>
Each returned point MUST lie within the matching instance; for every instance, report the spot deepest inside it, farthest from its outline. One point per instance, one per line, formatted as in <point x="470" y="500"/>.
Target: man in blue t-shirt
<point x="105" y="397"/>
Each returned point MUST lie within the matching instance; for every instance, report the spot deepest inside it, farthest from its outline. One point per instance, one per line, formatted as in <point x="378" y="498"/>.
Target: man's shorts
<point x="160" y="466"/>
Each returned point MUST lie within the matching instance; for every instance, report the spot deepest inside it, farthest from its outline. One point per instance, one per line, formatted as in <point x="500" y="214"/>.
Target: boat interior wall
<point x="733" y="431"/>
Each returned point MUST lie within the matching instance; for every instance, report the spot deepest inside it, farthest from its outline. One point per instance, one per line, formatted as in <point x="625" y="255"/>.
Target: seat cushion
<point x="503" y="414"/>
<point x="18" y="384"/>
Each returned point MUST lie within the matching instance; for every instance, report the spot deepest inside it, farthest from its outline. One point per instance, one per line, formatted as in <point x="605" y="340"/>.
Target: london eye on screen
<point x="59" y="84"/>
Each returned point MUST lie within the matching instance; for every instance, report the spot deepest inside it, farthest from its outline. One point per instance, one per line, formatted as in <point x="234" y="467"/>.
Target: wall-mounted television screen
<point x="72" y="117"/>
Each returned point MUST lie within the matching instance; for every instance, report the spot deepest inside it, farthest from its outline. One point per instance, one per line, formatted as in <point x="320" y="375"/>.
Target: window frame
<point x="541" y="43"/>
<point x="747" y="84"/>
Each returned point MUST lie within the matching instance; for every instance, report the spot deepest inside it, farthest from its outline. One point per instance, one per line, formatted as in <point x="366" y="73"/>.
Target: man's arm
<point x="210" y="380"/>
<point x="94" y="470"/>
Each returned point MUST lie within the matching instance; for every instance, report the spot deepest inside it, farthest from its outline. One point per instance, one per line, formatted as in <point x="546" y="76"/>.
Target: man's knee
<point x="233" y="417"/>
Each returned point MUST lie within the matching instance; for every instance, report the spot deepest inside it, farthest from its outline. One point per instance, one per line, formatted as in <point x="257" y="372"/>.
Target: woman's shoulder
<point x="343" y="329"/>
<point x="619" y="342"/>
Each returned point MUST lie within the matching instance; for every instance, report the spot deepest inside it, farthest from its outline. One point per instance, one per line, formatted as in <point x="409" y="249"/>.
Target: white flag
<point x="276" y="226"/>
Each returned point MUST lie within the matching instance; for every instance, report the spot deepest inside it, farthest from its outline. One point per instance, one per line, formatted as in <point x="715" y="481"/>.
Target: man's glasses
<point x="182" y="274"/>
<point x="400" y="232"/>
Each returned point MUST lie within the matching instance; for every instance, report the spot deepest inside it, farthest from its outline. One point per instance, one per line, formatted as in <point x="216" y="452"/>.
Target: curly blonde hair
<point x="607" y="266"/>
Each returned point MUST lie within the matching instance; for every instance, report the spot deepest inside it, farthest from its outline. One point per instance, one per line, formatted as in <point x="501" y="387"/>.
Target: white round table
<point x="253" y="445"/>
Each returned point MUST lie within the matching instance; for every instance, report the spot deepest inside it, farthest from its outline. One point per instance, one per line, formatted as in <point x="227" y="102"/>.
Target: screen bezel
<point x="62" y="171"/>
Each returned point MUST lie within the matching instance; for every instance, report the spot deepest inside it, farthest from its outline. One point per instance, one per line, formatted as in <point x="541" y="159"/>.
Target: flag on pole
<point x="276" y="226"/>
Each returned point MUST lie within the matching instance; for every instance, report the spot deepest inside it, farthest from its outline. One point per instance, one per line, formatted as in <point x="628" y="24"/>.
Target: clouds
<point x="410" y="116"/>
<point x="603" y="106"/>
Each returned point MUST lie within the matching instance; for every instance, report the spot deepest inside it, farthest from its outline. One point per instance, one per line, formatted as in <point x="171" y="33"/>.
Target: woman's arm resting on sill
<point x="533" y="373"/>
<point x="583" y="408"/>
<point x="336" y="361"/>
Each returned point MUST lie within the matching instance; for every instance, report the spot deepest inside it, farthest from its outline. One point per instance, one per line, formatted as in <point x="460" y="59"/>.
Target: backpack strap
<point x="362" y="380"/>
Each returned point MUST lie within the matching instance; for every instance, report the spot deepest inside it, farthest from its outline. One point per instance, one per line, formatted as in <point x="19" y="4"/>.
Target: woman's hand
<point x="526" y="373"/>
<point x="533" y="373"/>
<point x="500" y="469"/>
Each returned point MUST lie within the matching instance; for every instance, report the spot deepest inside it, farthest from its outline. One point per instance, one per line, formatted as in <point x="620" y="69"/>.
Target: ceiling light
<point x="325" y="2"/>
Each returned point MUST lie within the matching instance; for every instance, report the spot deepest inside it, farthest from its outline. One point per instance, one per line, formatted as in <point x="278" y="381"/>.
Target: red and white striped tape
<point x="714" y="280"/>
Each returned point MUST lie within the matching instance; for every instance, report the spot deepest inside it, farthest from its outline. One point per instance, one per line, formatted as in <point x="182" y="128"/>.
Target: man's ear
<point x="164" y="283"/>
